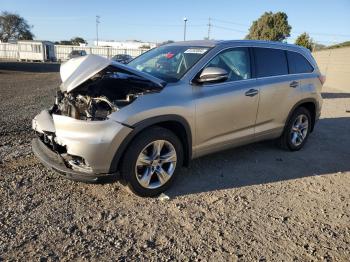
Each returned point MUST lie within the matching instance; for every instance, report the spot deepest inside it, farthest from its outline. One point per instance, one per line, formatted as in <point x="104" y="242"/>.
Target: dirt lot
<point x="251" y="203"/>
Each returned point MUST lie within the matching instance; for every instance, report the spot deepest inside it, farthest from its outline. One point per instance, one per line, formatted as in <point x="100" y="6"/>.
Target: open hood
<point x="76" y="71"/>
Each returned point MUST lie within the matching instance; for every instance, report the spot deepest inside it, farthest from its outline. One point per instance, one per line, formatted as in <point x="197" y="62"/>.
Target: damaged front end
<point x="81" y="150"/>
<point x="76" y="136"/>
<point x="96" y="87"/>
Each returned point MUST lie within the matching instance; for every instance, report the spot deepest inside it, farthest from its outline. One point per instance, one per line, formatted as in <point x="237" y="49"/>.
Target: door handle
<point x="294" y="84"/>
<point x="251" y="92"/>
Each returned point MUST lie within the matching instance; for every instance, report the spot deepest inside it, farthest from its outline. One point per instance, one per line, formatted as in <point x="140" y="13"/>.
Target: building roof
<point x="35" y="41"/>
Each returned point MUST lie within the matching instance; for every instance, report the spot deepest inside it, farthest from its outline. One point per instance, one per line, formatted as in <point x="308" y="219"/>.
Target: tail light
<point x="322" y="78"/>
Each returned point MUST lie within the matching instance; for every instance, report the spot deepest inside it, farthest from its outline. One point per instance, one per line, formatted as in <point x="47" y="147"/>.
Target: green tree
<point x="270" y="26"/>
<point x="78" y="40"/>
<point x="13" y="26"/>
<point x="145" y="47"/>
<point x="166" y="42"/>
<point x="304" y="40"/>
<point x="64" y="42"/>
<point x="74" y="41"/>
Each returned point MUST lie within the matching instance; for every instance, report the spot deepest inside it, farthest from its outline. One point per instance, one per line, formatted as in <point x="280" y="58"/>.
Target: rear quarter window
<point x="270" y="62"/>
<point x="298" y="63"/>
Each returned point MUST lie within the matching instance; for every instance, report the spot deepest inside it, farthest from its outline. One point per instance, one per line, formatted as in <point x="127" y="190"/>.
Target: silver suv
<point x="174" y="103"/>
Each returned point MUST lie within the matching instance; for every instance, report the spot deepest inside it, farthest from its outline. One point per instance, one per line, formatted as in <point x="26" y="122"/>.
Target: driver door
<point x="226" y="111"/>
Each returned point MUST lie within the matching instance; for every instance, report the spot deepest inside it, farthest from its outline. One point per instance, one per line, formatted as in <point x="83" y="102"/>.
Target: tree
<point x="304" y="40"/>
<point x="270" y="26"/>
<point x="145" y="47"/>
<point x="64" y="42"/>
<point x="78" y="40"/>
<point x="13" y="26"/>
<point x="166" y="42"/>
<point x="74" y="41"/>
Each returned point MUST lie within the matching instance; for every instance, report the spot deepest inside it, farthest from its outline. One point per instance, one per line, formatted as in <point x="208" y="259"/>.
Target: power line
<point x="230" y="29"/>
<point x="289" y="38"/>
<point x="166" y="25"/>
<point x="298" y="32"/>
<point x="229" y="22"/>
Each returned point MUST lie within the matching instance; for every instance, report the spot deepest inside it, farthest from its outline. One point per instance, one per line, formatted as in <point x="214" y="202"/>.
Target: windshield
<point x="168" y="63"/>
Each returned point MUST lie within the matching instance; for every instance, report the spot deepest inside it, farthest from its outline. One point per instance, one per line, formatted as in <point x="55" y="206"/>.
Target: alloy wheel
<point x="299" y="130"/>
<point x="156" y="164"/>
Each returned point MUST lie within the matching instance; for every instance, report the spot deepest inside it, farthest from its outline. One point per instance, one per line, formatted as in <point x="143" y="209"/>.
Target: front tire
<point x="297" y="130"/>
<point x="151" y="162"/>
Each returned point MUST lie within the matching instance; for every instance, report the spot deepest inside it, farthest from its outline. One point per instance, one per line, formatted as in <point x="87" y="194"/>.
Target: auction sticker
<point x="196" y="50"/>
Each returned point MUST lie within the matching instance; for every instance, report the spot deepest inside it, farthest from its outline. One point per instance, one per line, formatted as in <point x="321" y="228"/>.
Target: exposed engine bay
<point x="106" y="92"/>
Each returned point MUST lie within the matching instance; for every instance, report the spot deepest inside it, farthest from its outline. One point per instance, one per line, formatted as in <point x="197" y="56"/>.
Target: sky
<point x="326" y="21"/>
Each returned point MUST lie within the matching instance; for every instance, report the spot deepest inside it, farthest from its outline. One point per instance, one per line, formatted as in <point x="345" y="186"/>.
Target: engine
<point x="104" y="93"/>
<point x="86" y="107"/>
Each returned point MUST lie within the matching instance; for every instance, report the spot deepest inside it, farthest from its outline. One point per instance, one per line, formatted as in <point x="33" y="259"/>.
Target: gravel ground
<point x="256" y="202"/>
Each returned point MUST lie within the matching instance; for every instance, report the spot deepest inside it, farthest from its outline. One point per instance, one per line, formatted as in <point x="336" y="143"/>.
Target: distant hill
<point x="340" y="45"/>
<point x="318" y="47"/>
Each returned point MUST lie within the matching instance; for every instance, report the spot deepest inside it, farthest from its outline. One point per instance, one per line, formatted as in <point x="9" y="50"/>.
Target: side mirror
<point x="212" y="74"/>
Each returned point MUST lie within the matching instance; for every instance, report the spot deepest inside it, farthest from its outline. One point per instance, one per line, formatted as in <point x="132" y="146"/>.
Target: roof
<point x="267" y="43"/>
<point x="206" y="43"/>
<point x="35" y="41"/>
<point x="212" y="43"/>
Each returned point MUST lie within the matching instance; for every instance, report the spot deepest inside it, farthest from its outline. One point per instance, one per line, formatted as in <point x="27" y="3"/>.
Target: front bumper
<point x="54" y="161"/>
<point x="92" y="144"/>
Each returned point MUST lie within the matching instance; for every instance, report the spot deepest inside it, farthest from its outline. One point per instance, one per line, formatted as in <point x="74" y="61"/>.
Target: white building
<point x="36" y="50"/>
<point x="126" y="44"/>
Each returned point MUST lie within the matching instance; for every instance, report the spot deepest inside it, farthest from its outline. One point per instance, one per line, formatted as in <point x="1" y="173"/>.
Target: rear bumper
<point x="54" y="161"/>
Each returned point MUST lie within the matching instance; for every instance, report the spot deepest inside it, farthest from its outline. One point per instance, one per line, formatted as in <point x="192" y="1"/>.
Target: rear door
<point x="299" y="65"/>
<point x="279" y="91"/>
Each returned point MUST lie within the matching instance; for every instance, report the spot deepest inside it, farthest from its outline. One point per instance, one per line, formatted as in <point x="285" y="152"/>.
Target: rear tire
<point x="297" y="130"/>
<point x="151" y="162"/>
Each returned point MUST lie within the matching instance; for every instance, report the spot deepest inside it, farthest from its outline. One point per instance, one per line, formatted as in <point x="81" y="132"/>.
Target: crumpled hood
<point x="76" y="71"/>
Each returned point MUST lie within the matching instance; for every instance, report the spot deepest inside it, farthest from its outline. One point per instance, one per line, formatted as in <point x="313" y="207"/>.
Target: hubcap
<point x="155" y="164"/>
<point x="299" y="130"/>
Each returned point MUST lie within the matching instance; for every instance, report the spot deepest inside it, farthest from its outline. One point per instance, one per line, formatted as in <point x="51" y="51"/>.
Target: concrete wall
<point x="335" y="64"/>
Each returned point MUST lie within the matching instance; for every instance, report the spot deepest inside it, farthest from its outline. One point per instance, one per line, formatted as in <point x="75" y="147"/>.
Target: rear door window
<point x="270" y="62"/>
<point x="298" y="63"/>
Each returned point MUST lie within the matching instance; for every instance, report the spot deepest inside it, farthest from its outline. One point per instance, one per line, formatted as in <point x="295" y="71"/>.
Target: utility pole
<point x="185" y="20"/>
<point x="209" y="28"/>
<point x="97" y="22"/>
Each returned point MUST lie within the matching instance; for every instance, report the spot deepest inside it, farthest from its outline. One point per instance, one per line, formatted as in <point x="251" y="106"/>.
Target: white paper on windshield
<point x="196" y="51"/>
